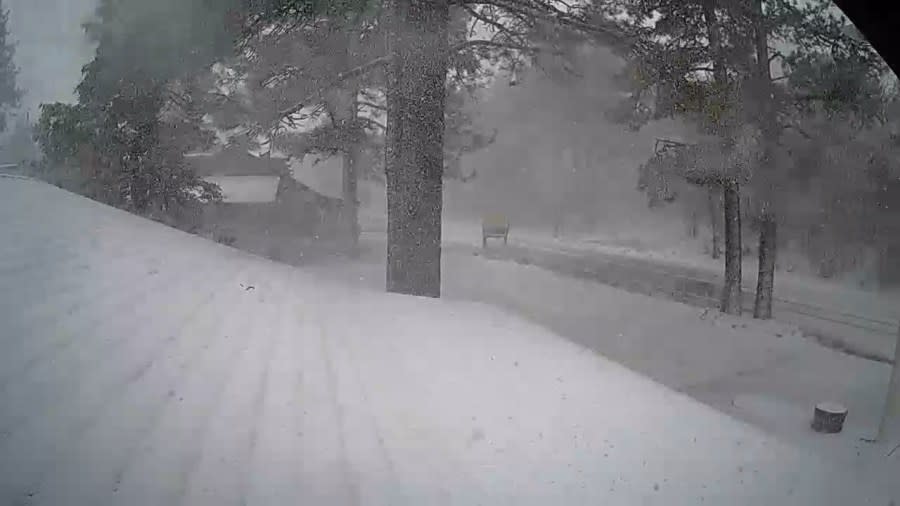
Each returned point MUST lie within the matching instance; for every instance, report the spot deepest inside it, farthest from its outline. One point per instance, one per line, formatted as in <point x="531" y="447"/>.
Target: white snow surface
<point x="144" y="366"/>
<point x="246" y="189"/>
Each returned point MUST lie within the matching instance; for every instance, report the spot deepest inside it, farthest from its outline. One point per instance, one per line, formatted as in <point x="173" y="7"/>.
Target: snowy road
<point x="847" y="326"/>
<point x="144" y="366"/>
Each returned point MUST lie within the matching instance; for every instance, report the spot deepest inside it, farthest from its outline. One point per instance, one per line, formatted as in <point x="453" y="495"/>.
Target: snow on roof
<point x="246" y="189"/>
<point x="143" y="365"/>
<point x="234" y="161"/>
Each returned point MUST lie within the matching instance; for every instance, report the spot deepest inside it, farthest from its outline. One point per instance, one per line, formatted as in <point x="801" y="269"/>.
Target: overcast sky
<point x="51" y="47"/>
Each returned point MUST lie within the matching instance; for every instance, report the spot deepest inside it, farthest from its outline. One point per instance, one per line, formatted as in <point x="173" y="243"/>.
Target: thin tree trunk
<point x="349" y="193"/>
<point x="765" y="285"/>
<point x="414" y="159"/>
<point x="768" y="247"/>
<point x="731" y="293"/>
<point x="889" y="428"/>
<point x="720" y="73"/>
<point x="714" y="222"/>
<point x="693" y="225"/>
<point x="344" y="110"/>
<point x="557" y="226"/>
<point x="343" y="106"/>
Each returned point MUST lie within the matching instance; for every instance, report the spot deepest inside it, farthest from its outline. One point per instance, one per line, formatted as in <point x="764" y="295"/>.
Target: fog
<point x="557" y="162"/>
<point x="51" y="48"/>
<point x="558" y="158"/>
<point x="197" y="264"/>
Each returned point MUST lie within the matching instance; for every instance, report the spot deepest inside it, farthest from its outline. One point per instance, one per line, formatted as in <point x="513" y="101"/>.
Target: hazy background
<point x="557" y="159"/>
<point x="51" y="48"/>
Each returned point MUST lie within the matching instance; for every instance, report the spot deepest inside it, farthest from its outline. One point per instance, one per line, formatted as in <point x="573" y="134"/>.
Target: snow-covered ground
<point x="142" y="365"/>
<point x="764" y="373"/>
<point x="861" y="322"/>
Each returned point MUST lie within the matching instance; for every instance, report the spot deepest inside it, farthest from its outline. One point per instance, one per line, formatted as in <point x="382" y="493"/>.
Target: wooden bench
<point x="496" y="226"/>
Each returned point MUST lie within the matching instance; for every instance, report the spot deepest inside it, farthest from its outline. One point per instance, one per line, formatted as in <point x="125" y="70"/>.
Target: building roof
<point x="246" y="189"/>
<point x="143" y="366"/>
<point x="235" y="161"/>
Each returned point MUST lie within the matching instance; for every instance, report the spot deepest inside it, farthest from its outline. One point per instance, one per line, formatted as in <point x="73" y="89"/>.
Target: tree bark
<point x="889" y="428"/>
<point x="720" y="73"/>
<point x="343" y="107"/>
<point x="349" y="193"/>
<point x="414" y="158"/>
<point x="342" y="103"/>
<point x="731" y="292"/>
<point x="765" y="283"/>
<point x="714" y="223"/>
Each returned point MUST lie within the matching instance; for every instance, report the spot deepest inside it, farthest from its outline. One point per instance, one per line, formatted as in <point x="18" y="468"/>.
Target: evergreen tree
<point x="129" y="151"/>
<point x="419" y="57"/>
<point x="711" y="61"/>
<point x="9" y="92"/>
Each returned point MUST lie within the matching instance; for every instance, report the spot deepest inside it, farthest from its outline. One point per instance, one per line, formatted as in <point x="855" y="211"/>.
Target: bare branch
<point x="372" y="105"/>
<point x="492" y="44"/>
<point x="491" y="22"/>
<point x="374" y="123"/>
<point x="799" y="130"/>
<point x="543" y="10"/>
<point x="343" y="76"/>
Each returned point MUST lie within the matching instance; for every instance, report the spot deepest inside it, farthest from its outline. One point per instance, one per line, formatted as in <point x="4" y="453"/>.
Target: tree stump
<point x="829" y="417"/>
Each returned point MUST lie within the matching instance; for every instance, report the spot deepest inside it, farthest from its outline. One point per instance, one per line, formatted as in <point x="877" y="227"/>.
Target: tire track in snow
<point x="35" y="351"/>
<point x="57" y="435"/>
<point x="157" y="471"/>
<point x="217" y="475"/>
<point x="92" y="354"/>
<point x="363" y="427"/>
<point x="276" y="472"/>
<point x="389" y="403"/>
<point x="351" y="481"/>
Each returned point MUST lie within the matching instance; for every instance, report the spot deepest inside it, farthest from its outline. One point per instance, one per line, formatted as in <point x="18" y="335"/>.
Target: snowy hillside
<point x="144" y="366"/>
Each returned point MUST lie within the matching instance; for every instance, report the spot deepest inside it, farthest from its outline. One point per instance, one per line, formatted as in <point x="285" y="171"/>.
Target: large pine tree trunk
<point x="765" y="283"/>
<point x="415" y="145"/>
<point x="731" y="293"/>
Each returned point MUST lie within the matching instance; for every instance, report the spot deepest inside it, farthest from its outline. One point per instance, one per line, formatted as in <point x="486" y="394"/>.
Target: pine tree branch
<point x="524" y="9"/>
<point x="491" y="22"/>
<point x="372" y="105"/>
<point x="493" y="44"/>
<point x="545" y="11"/>
<point x="384" y="60"/>
<point x="374" y="123"/>
<point x="340" y="78"/>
